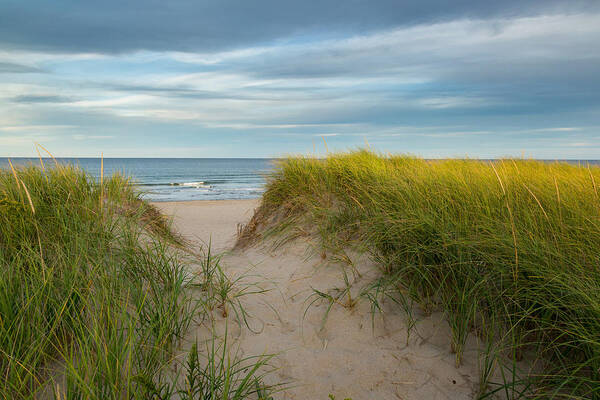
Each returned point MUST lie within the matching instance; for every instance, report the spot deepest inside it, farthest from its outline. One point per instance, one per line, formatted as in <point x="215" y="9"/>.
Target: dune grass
<point x="509" y="250"/>
<point x="94" y="296"/>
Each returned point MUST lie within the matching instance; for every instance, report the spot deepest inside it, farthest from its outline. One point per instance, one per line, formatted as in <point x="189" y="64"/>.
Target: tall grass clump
<point x="93" y="289"/>
<point x="509" y="250"/>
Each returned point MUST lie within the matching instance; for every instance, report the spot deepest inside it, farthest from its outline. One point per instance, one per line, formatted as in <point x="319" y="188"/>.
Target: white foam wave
<point x="199" y="184"/>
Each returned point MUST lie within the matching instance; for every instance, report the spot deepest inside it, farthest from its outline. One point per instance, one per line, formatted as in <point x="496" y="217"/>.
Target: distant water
<point x="177" y="179"/>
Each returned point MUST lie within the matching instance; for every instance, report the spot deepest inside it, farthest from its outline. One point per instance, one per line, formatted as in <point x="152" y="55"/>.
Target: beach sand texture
<point x="346" y="356"/>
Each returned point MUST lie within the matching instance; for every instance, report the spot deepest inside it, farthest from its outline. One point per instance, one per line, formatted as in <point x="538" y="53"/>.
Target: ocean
<point x="179" y="179"/>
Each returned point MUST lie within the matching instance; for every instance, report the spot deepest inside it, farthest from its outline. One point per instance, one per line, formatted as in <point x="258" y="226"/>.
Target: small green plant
<point x="223" y="293"/>
<point x="317" y="296"/>
<point x="390" y="288"/>
<point x="225" y="376"/>
<point x="332" y="397"/>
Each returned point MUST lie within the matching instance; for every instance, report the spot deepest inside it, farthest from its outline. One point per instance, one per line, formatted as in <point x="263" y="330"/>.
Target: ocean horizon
<point x="186" y="179"/>
<point x="177" y="179"/>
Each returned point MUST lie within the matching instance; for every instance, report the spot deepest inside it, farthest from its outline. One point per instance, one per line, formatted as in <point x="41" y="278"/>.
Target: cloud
<point x="13" y="68"/>
<point x="466" y="76"/>
<point x="25" y="139"/>
<point x="113" y="26"/>
<point x="582" y="144"/>
<point x="41" y="99"/>
<point x="38" y="128"/>
<point x="389" y="75"/>
<point x="442" y="133"/>
<point x="467" y="50"/>
<point x="559" y="129"/>
<point x="92" y="137"/>
<point x="178" y="92"/>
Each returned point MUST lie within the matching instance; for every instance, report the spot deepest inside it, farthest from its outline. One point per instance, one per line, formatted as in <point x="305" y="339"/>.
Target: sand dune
<point x="349" y="355"/>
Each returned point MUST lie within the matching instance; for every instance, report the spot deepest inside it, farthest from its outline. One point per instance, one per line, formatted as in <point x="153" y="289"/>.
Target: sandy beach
<point x="348" y="355"/>
<point x="213" y="221"/>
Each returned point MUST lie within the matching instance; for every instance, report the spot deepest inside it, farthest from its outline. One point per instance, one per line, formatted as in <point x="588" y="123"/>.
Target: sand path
<point x="346" y="357"/>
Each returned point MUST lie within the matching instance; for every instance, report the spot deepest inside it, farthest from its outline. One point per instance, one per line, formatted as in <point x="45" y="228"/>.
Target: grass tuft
<point x="510" y="244"/>
<point x="94" y="291"/>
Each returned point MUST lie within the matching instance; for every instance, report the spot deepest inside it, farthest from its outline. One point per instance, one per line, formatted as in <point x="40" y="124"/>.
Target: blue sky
<point x="267" y="78"/>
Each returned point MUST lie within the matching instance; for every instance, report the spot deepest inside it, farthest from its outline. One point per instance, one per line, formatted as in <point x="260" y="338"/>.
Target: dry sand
<point x="348" y="356"/>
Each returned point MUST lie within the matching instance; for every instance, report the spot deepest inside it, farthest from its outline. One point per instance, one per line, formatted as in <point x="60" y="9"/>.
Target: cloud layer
<point x="185" y="79"/>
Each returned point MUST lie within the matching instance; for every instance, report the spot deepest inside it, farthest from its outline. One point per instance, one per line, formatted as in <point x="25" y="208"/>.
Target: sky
<point x="267" y="78"/>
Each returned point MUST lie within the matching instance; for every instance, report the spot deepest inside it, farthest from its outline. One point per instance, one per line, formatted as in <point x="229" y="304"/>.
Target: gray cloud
<point x="13" y="68"/>
<point x="41" y="99"/>
<point x="114" y="26"/>
<point x="176" y="92"/>
<point x="247" y="94"/>
<point x="402" y="73"/>
<point x="513" y="66"/>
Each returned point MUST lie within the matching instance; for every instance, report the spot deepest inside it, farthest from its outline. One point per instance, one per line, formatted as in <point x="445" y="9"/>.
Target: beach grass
<point x="95" y="298"/>
<point x="509" y="250"/>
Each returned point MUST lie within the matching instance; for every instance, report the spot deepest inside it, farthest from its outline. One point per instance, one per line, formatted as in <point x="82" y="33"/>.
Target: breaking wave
<point x="199" y="184"/>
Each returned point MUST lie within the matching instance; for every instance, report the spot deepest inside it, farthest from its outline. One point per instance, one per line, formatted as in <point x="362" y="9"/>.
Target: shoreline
<point x="204" y="202"/>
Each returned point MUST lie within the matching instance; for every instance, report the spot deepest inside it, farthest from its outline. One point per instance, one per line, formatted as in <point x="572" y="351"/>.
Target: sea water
<point x="179" y="179"/>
